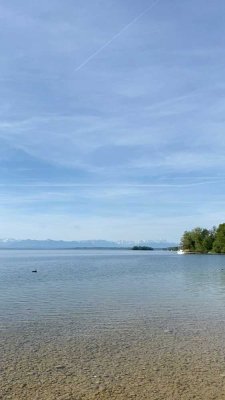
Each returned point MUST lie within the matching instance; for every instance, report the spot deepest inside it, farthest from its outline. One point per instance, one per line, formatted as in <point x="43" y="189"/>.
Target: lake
<point x="111" y="324"/>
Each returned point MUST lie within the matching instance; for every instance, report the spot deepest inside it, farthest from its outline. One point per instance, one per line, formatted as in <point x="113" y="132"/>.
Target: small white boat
<point x="180" y="252"/>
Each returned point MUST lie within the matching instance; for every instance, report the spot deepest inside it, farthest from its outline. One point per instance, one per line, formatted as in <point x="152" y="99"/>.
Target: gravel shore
<point x="165" y="363"/>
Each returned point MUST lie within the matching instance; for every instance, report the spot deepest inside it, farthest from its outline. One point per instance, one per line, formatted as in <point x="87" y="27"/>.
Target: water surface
<point x="101" y="313"/>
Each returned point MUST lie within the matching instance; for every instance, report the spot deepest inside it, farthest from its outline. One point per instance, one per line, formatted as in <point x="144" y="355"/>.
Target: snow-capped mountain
<point x="61" y="244"/>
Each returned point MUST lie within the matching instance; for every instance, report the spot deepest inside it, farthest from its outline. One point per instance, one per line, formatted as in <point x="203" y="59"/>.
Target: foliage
<point x="219" y="242"/>
<point x="142" y="248"/>
<point x="200" y="240"/>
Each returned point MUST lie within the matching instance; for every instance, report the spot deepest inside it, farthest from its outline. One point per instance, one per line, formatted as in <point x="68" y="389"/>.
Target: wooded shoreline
<point x="204" y="241"/>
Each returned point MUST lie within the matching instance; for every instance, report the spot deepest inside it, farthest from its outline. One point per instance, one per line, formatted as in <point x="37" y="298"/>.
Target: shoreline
<point x="202" y="254"/>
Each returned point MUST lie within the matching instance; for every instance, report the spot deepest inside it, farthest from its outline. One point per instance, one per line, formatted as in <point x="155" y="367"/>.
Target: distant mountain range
<point x="61" y="244"/>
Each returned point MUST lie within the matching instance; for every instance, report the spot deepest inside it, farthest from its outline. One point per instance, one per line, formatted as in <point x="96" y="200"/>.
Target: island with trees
<point x="204" y="241"/>
<point x="142" y="248"/>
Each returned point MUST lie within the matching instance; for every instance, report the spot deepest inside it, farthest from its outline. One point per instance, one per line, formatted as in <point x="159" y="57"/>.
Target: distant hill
<point x="61" y="244"/>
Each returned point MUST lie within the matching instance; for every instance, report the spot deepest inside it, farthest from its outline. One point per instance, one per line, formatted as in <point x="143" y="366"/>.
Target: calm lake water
<point x="109" y="286"/>
<point x="111" y="324"/>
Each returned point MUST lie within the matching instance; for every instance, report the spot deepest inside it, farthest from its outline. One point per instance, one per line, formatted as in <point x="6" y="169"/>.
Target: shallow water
<point x="111" y="324"/>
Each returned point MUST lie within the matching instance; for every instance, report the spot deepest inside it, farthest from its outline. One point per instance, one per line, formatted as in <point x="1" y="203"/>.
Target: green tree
<point x="187" y="242"/>
<point x="219" y="242"/>
<point x="209" y="240"/>
<point x="199" y="235"/>
<point x="198" y="240"/>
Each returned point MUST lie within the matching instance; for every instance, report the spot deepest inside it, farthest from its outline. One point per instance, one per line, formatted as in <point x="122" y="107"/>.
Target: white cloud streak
<point x="116" y="36"/>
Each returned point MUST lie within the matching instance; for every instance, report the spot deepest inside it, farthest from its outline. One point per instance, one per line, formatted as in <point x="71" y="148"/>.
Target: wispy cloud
<point x="111" y="115"/>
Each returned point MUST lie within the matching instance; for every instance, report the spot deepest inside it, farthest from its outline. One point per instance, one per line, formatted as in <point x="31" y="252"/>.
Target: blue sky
<point x="112" y="118"/>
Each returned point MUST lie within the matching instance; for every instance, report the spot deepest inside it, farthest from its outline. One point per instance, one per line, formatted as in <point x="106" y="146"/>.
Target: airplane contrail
<point x="106" y="44"/>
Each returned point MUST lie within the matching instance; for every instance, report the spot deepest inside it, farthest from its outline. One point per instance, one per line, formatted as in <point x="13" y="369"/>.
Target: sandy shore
<point x="164" y="363"/>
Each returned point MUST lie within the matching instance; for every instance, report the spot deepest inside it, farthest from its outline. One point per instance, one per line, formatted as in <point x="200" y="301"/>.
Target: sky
<point x="112" y="118"/>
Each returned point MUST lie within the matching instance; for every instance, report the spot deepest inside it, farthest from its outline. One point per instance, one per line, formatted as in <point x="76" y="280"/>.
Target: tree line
<point x="202" y="240"/>
<point x="142" y="248"/>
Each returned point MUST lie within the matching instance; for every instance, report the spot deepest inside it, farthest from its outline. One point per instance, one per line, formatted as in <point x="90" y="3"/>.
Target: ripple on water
<point x="111" y="325"/>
